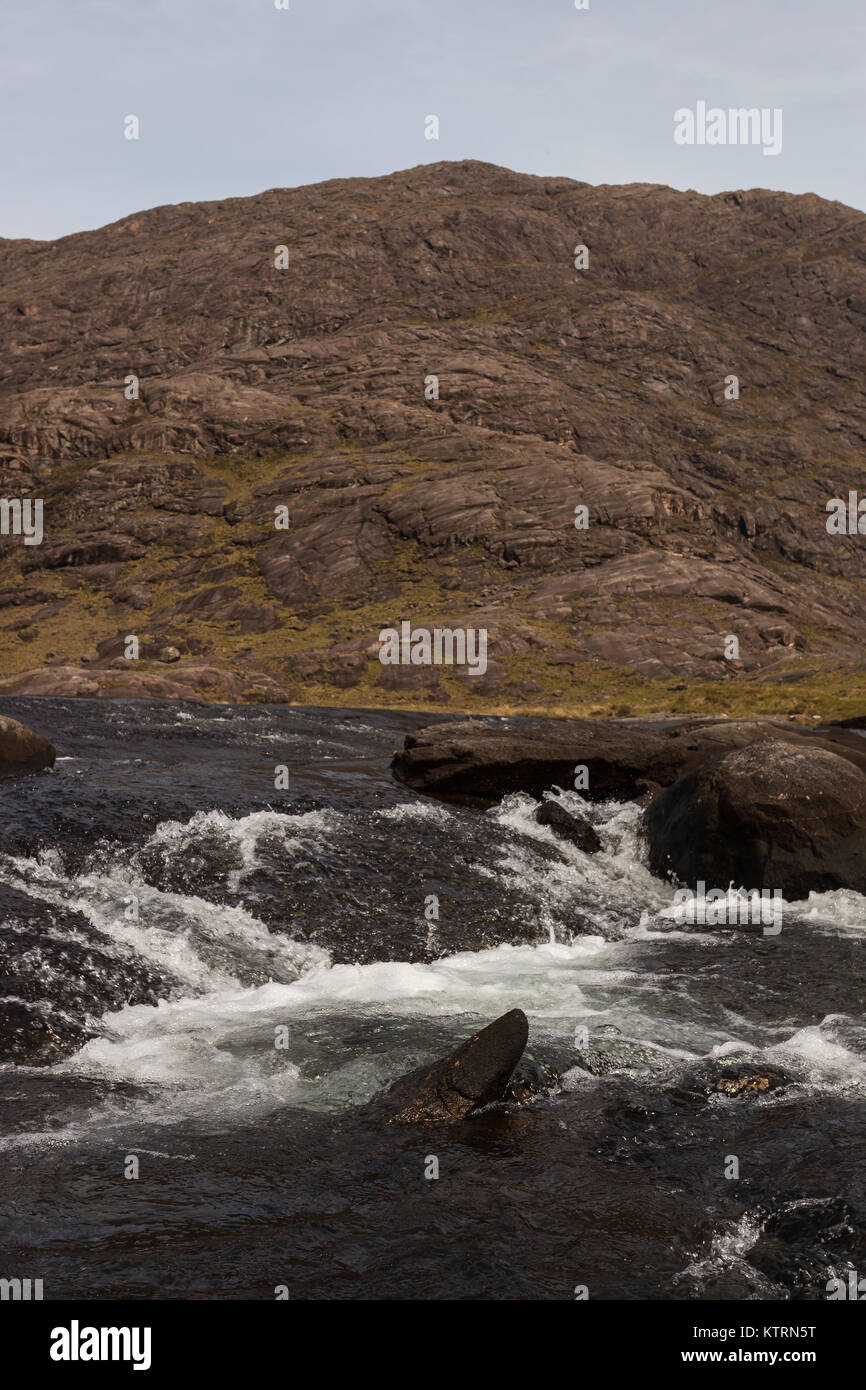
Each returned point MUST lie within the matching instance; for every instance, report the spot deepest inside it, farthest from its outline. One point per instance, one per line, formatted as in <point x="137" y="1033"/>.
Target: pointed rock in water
<point x="475" y="1075"/>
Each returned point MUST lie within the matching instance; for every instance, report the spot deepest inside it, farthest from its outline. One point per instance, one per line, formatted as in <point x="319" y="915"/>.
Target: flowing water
<point x="207" y="979"/>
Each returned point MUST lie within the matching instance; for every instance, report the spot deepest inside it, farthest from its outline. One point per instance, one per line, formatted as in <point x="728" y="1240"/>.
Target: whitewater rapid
<point x="211" y="1041"/>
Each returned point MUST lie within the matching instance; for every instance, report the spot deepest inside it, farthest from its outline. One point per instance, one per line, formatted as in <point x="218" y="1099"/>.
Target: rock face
<point x="774" y="815"/>
<point x="487" y="759"/>
<point x="476" y="1074"/>
<point x="427" y="394"/>
<point x="21" y="750"/>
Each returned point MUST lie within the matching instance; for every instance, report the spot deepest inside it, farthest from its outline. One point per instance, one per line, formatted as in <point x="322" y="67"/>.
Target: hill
<point x="310" y="388"/>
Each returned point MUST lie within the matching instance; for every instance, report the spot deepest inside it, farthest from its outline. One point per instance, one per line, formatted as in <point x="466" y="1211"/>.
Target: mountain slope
<point x="559" y="387"/>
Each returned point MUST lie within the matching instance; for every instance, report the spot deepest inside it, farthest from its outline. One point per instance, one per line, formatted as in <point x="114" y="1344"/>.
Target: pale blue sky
<point x="235" y="96"/>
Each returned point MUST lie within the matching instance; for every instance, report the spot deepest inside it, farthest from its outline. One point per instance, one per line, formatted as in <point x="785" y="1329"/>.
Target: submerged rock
<point x="779" y="816"/>
<point x="608" y="1052"/>
<point x="531" y="1077"/>
<point x="21" y="750"/>
<point x="568" y="826"/>
<point x="805" y="1244"/>
<point x="749" y="1084"/>
<point x="710" y="1078"/>
<point x="474" y="1075"/>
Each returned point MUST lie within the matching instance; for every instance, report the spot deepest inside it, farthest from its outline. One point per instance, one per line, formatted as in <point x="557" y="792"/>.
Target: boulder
<point x="485" y="760"/>
<point x="474" y="1075"/>
<point x="21" y="750"/>
<point x="577" y="830"/>
<point x="776" y="815"/>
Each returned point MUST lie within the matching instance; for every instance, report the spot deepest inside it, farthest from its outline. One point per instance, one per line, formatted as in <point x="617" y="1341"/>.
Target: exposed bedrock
<point x="479" y="758"/>
<point x="578" y="485"/>
<point x="774" y="815"/>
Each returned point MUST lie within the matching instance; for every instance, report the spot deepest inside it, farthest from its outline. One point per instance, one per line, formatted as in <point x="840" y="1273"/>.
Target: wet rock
<point x="21" y="750"/>
<point x="568" y="826"/>
<point x="531" y="1077"/>
<point x="57" y="974"/>
<point x="819" y="1218"/>
<point x="804" y="1243"/>
<point x="474" y="1075"/>
<point x="608" y="1052"/>
<point x="477" y="758"/>
<point x="750" y="1083"/>
<point x="776" y="816"/>
<point x="37" y="1034"/>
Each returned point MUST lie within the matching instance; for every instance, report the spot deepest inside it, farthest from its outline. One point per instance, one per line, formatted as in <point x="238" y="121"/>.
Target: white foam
<point x="728" y="1250"/>
<point x="824" y="1057"/>
<point x="203" y="945"/>
<point x="611" y="885"/>
<point x="224" y="1040"/>
<point x="416" y="810"/>
<point x="843" y="911"/>
<point x="215" y="1045"/>
<point x="244" y="832"/>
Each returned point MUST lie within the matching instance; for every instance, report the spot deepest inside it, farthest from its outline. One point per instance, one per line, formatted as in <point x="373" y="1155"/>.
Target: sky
<point x="236" y="96"/>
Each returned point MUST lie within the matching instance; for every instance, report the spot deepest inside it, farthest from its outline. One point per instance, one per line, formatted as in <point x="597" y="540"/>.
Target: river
<point x="206" y="978"/>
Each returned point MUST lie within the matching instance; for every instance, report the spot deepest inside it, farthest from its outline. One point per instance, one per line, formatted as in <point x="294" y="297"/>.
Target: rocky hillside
<point x="308" y="387"/>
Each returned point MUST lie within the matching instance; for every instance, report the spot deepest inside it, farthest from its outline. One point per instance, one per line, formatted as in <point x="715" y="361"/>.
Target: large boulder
<point x="21" y="750"/>
<point x="775" y="815"/>
<point x="486" y="759"/>
<point x="483" y="759"/>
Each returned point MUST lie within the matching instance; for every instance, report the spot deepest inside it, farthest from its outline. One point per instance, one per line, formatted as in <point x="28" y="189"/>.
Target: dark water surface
<point x="168" y="917"/>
